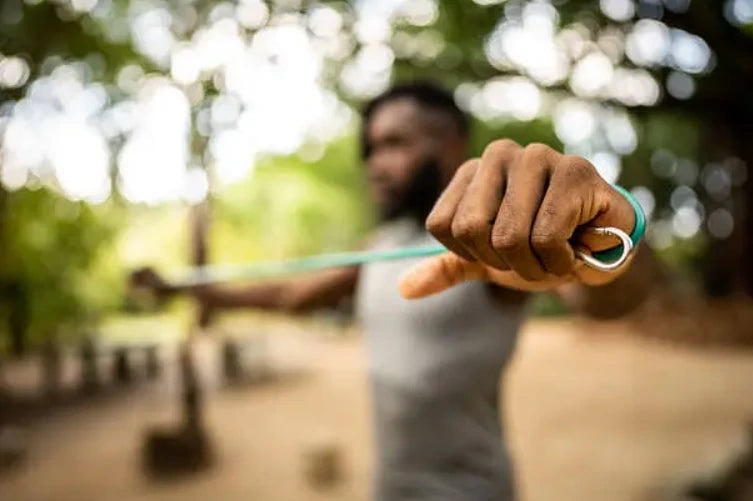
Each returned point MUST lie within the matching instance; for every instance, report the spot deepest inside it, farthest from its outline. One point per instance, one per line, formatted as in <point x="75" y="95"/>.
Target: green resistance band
<point x="204" y="275"/>
<point x="636" y="236"/>
<point x="210" y="274"/>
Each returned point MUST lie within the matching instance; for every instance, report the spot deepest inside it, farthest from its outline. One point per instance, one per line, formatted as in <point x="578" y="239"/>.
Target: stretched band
<point x="636" y="236"/>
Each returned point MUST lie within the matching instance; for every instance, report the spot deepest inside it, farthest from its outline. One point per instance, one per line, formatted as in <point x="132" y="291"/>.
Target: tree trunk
<point x="746" y="140"/>
<point x="199" y="221"/>
<point x="727" y="267"/>
<point x="191" y="397"/>
<point x="12" y="293"/>
<point x="18" y="318"/>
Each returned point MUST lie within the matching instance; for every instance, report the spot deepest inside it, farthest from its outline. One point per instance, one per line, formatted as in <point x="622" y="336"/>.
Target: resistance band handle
<point x="636" y="236"/>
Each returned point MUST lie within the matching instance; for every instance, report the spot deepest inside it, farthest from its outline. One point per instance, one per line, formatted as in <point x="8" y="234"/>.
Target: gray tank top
<point x="435" y="366"/>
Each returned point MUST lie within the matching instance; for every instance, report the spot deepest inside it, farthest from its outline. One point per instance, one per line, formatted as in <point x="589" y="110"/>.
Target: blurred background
<point x="130" y="130"/>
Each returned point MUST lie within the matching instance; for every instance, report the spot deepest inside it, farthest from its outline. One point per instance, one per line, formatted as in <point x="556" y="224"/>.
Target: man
<point x="435" y="364"/>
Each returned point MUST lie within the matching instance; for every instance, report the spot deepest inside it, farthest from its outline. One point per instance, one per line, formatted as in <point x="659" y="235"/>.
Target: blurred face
<point x="404" y="161"/>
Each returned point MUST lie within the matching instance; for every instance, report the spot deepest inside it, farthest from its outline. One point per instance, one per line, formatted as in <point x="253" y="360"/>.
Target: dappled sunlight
<point x="256" y="81"/>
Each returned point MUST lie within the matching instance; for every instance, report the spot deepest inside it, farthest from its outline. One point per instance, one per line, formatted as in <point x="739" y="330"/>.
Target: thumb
<point x="438" y="273"/>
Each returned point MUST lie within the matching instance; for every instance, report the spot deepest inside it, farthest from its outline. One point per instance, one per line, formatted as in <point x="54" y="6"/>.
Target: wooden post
<point x="122" y="372"/>
<point x="232" y="366"/>
<point x="89" y="370"/>
<point x="153" y="365"/>
<point x="51" y="368"/>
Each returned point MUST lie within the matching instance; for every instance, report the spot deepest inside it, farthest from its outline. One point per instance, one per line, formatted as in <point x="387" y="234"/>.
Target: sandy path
<point x="589" y="417"/>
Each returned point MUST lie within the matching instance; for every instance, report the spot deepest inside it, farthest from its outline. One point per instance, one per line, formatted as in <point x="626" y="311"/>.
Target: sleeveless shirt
<point x="435" y="366"/>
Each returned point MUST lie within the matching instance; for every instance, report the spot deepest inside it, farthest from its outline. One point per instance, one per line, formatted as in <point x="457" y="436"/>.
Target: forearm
<point x="273" y="296"/>
<point x="320" y="290"/>
<point x="620" y="296"/>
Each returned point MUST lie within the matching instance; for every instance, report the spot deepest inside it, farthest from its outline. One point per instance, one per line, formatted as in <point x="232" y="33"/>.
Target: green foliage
<point x="463" y="27"/>
<point x="289" y="207"/>
<point x="154" y="236"/>
<point x="59" y="253"/>
<point x="535" y="131"/>
<point x="39" y="31"/>
<point x="685" y="257"/>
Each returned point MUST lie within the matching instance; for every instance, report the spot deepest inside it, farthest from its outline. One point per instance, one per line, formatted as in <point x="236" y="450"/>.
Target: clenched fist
<point x="514" y="217"/>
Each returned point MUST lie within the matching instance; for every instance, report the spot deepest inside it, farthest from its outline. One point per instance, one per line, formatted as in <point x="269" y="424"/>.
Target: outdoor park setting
<point x="376" y="249"/>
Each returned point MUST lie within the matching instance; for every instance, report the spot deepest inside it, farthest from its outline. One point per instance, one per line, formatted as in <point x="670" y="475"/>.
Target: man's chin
<point x="389" y="213"/>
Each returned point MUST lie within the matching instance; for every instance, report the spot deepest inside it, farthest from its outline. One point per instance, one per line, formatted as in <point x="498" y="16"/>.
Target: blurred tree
<point x="49" y="243"/>
<point x="37" y="31"/>
<point x="56" y="268"/>
<point x="323" y="202"/>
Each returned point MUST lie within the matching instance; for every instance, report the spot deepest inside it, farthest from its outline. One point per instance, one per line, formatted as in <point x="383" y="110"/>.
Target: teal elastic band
<point x="210" y="274"/>
<point x="249" y="271"/>
<point x="636" y="236"/>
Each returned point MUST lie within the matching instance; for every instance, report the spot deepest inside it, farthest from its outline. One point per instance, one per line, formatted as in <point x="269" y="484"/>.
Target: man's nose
<point x="378" y="165"/>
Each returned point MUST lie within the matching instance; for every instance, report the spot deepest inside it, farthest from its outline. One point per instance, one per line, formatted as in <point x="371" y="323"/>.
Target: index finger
<point x="438" y="273"/>
<point x="439" y="221"/>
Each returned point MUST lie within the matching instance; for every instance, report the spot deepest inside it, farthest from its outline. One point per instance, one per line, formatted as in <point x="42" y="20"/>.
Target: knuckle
<point x="577" y="169"/>
<point x="537" y="151"/>
<point x="501" y="149"/>
<point x="548" y="214"/>
<point x="508" y="241"/>
<point x="552" y="251"/>
<point x="468" y="167"/>
<point x="438" y="225"/>
<point x="545" y="242"/>
<point x="468" y="228"/>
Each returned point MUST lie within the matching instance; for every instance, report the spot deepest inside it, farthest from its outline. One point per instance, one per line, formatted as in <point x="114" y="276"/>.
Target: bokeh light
<point x="152" y="162"/>
<point x="607" y="164"/>
<point x="14" y="72"/>
<point x="739" y="12"/>
<point x="592" y="75"/>
<point x="689" y="53"/>
<point x="619" y="10"/>
<point x="686" y="222"/>
<point x="717" y="181"/>
<point x="252" y="14"/>
<point x="419" y="12"/>
<point x="515" y="97"/>
<point x="646" y="198"/>
<point x="648" y="43"/>
<point x="720" y="223"/>
<point x="663" y="163"/>
<point x="52" y="135"/>
<point x="686" y="172"/>
<point x="680" y="85"/>
<point x="574" y="121"/>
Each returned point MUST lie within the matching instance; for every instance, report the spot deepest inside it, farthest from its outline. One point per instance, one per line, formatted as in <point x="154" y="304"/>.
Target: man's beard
<point x="420" y="195"/>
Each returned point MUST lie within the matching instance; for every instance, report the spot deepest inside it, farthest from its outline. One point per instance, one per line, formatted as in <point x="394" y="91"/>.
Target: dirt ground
<point x="592" y="414"/>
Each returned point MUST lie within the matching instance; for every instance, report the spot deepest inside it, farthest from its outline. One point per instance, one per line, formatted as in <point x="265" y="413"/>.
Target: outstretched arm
<point x="315" y="290"/>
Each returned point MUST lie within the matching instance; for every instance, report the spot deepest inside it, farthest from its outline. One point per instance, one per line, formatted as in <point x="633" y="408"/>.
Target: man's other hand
<point x="148" y="278"/>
